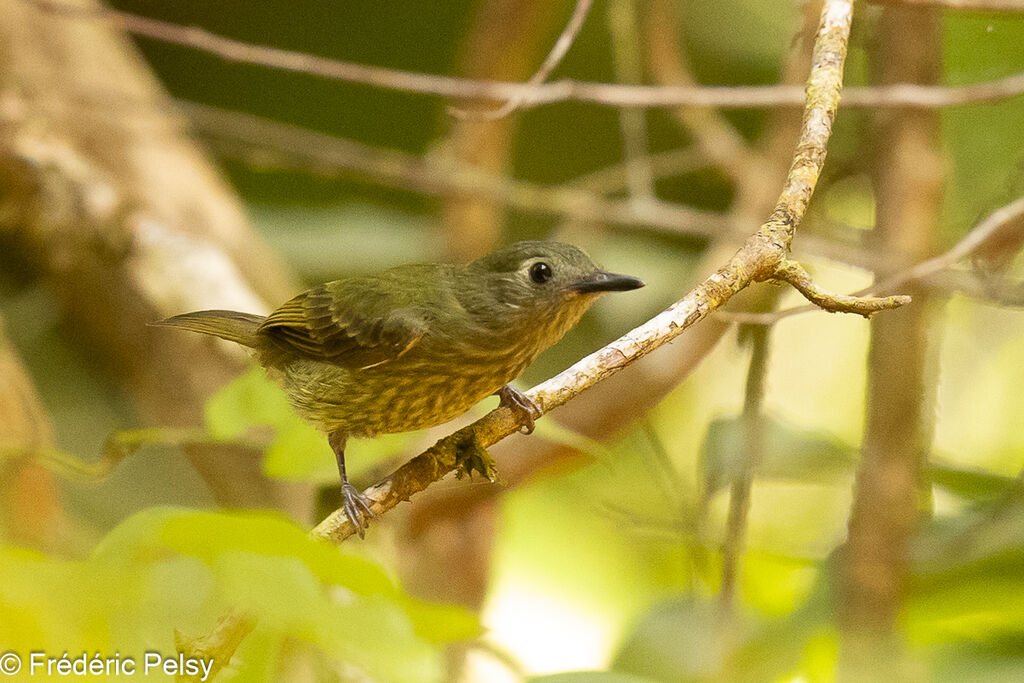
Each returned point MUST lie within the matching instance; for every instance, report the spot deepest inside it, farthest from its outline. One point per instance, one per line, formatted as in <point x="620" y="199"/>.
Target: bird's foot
<point x="470" y="456"/>
<point x="357" y="508"/>
<point x="521" y="404"/>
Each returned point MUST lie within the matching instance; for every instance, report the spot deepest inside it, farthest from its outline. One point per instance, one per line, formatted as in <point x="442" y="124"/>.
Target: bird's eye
<point x="540" y="272"/>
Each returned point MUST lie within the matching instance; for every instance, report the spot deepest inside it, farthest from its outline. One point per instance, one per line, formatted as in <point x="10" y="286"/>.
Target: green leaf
<point x="967" y="482"/>
<point x="165" y="569"/>
<point x="250" y="400"/>
<point x="300" y="453"/>
<point x="158" y="533"/>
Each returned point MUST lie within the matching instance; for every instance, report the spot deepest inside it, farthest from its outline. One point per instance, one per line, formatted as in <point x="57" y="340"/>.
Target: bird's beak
<point x="600" y="281"/>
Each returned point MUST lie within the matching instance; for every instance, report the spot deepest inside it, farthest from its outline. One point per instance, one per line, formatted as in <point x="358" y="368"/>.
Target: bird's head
<point x="539" y="280"/>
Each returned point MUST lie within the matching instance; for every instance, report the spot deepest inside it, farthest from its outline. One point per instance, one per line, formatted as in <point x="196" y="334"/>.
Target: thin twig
<point x="554" y="58"/>
<point x="901" y="95"/>
<point x="795" y="274"/>
<point x="749" y="458"/>
<point x="992" y="228"/>
<point x="117" y="447"/>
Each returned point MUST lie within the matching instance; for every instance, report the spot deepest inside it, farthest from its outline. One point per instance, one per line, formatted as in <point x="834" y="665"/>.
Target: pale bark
<point x="110" y="200"/>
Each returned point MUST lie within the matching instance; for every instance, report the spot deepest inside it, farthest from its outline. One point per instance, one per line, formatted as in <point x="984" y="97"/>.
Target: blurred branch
<point x="558" y="50"/>
<point x="752" y="195"/>
<point x="980" y="5"/>
<point x="434" y="176"/>
<point x="30" y="507"/>
<point x="118" y="446"/>
<point x="902" y="95"/>
<point x="713" y="133"/>
<point x="891" y="496"/>
<point x="1003" y="226"/>
<point x="752" y="452"/>
<point x="265" y="143"/>
<point x="622" y="25"/>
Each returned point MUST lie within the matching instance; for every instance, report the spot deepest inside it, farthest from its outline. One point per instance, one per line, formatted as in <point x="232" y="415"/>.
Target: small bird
<point x="416" y="345"/>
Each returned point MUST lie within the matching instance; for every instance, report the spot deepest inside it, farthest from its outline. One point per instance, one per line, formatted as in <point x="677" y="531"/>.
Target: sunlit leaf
<point x="249" y="400"/>
<point x="165" y="569"/>
<point x="300" y="453"/>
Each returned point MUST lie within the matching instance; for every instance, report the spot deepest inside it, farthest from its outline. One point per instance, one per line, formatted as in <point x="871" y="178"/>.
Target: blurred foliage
<point x="608" y="571"/>
<point x="172" y="566"/>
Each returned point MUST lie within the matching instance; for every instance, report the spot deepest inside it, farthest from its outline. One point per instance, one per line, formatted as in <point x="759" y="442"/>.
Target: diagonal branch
<point x="759" y="259"/>
<point x="762" y="257"/>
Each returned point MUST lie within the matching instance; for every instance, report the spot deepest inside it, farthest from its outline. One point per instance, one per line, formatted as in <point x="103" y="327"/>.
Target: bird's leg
<point x="471" y="455"/>
<point x="355" y="504"/>
<point x="521" y="404"/>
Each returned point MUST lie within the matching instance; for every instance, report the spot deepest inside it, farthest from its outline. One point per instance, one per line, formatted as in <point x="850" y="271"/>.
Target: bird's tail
<point x="231" y="325"/>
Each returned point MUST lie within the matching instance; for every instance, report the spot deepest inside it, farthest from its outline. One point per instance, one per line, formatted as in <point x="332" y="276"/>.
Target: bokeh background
<point x="675" y="523"/>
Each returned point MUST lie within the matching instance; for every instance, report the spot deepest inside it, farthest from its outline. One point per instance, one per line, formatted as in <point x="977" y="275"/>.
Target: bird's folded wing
<point x="353" y="329"/>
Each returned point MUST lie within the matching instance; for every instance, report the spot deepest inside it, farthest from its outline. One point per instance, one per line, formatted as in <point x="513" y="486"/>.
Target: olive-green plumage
<point x="416" y="345"/>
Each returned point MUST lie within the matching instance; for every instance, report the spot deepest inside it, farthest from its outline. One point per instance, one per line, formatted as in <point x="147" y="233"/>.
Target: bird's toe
<point x="357" y="508"/>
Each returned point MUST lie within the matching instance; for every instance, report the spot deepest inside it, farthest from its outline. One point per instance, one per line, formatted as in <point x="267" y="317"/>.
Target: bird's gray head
<point x="538" y="279"/>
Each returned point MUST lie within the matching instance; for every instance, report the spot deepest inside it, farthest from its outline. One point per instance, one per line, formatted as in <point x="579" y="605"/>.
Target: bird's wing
<point x="355" y="327"/>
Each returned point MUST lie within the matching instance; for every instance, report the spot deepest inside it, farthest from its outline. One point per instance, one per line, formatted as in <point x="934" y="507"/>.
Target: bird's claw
<point x="470" y="456"/>
<point x="522" y="405"/>
<point x="356" y="507"/>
